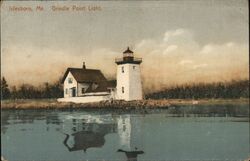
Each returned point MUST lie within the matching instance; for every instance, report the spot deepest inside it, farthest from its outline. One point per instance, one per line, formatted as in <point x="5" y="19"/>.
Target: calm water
<point x="97" y="135"/>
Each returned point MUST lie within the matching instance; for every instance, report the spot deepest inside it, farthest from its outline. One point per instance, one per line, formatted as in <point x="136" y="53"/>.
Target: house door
<point x="73" y="94"/>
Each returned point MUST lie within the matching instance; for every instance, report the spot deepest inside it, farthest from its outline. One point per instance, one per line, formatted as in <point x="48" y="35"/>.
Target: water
<point x="97" y="135"/>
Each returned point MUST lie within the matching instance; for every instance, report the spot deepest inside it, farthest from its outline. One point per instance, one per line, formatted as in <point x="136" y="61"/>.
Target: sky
<point x="179" y="41"/>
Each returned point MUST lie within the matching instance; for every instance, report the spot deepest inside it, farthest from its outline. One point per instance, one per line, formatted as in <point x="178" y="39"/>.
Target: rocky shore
<point x="53" y="104"/>
<point x="117" y="104"/>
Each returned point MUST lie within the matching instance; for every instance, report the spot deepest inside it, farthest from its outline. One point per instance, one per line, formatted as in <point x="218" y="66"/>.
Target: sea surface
<point x="77" y="135"/>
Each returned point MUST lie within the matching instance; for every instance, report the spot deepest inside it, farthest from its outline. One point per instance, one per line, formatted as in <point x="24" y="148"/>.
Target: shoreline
<point x="117" y="104"/>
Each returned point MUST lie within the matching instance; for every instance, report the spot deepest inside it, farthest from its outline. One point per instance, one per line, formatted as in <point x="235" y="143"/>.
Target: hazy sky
<point x="179" y="41"/>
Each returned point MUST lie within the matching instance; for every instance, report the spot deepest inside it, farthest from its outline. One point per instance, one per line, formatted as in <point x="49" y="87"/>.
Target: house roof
<point x="102" y="86"/>
<point x="82" y="75"/>
<point x="111" y="83"/>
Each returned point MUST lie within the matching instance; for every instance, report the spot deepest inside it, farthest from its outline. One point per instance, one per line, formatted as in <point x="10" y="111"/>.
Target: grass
<point x="164" y="103"/>
<point x="208" y="101"/>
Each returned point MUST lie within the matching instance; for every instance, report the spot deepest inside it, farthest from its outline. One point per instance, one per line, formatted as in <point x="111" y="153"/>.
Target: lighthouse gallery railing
<point x="117" y="60"/>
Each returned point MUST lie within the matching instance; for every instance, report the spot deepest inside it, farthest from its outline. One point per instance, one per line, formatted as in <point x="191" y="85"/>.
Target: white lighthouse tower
<point x="129" y="85"/>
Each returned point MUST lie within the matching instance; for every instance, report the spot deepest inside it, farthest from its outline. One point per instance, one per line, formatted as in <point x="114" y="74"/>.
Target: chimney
<point x="83" y="65"/>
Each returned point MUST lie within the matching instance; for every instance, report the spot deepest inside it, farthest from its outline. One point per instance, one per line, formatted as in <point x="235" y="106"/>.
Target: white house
<point x="86" y="85"/>
<point x="83" y="85"/>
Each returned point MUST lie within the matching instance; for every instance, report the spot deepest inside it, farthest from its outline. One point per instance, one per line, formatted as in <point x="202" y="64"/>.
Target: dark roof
<point x="128" y="51"/>
<point x="111" y="83"/>
<point x="85" y="75"/>
<point x="102" y="86"/>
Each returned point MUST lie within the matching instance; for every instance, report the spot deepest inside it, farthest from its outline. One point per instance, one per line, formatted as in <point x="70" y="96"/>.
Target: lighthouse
<point x="129" y="85"/>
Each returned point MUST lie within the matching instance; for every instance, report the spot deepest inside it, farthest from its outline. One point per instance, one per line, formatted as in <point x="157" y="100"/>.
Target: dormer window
<point x="70" y="80"/>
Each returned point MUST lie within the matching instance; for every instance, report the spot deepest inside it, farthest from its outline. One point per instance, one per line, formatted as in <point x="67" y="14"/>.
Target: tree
<point x="5" y="92"/>
<point x="232" y="89"/>
<point x="14" y="94"/>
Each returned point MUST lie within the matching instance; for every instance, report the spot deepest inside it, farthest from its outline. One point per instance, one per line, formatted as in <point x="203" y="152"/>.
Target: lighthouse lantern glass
<point x="128" y="55"/>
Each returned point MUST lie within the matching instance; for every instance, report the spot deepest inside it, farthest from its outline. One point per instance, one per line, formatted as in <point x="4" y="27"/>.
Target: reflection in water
<point x="56" y="134"/>
<point x="131" y="155"/>
<point x="5" y="122"/>
<point x="89" y="130"/>
<point x="9" y="117"/>
<point x="84" y="140"/>
<point x="130" y="132"/>
<point x="92" y="135"/>
<point x="82" y="131"/>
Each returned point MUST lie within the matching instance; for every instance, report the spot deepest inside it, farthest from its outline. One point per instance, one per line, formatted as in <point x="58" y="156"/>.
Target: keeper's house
<point x="86" y="85"/>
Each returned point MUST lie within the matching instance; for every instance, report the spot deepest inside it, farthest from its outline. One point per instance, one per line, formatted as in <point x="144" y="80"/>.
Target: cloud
<point x="230" y="44"/>
<point x="207" y="49"/>
<point x="188" y="62"/>
<point x="185" y="62"/>
<point x="170" y="49"/>
<point x="26" y="64"/>
<point x="200" y="66"/>
<point x="174" y="33"/>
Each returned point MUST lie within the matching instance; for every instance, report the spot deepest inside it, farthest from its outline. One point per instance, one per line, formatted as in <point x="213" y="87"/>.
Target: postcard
<point x="125" y="80"/>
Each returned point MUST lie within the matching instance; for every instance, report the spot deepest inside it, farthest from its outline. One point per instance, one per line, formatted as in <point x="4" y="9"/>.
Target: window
<point x="122" y="69"/>
<point x="70" y="80"/>
<point x="122" y="89"/>
<point x="66" y="91"/>
<point x="94" y="86"/>
<point x="133" y="67"/>
<point x="83" y="90"/>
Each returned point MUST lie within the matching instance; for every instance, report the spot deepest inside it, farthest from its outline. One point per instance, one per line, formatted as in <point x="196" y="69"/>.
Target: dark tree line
<point x="27" y="91"/>
<point x="233" y="89"/>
